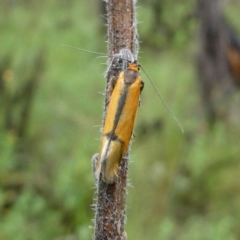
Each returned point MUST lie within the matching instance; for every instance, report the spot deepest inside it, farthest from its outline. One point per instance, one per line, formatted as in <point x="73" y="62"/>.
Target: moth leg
<point x="95" y="167"/>
<point x="139" y="103"/>
<point x="124" y="236"/>
<point x="113" y="82"/>
<point x="142" y="86"/>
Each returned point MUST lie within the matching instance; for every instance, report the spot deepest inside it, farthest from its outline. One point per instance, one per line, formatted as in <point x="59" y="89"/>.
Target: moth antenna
<point x="84" y="50"/>
<point x="98" y="53"/>
<point x="102" y="56"/>
<point x="165" y="104"/>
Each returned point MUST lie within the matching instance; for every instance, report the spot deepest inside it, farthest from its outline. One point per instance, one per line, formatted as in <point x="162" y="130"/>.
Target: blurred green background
<point x="181" y="186"/>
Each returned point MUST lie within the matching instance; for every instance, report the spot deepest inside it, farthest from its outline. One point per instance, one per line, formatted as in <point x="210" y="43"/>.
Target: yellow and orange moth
<point x="119" y="122"/>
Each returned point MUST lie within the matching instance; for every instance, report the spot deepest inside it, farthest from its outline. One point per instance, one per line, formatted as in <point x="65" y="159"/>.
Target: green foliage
<point x="166" y="23"/>
<point x="185" y="185"/>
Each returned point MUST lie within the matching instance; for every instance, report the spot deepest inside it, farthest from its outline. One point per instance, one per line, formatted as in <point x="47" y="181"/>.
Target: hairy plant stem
<point x="110" y="215"/>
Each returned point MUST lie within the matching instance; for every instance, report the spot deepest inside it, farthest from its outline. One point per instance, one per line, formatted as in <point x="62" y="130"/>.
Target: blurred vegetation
<point x="185" y="186"/>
